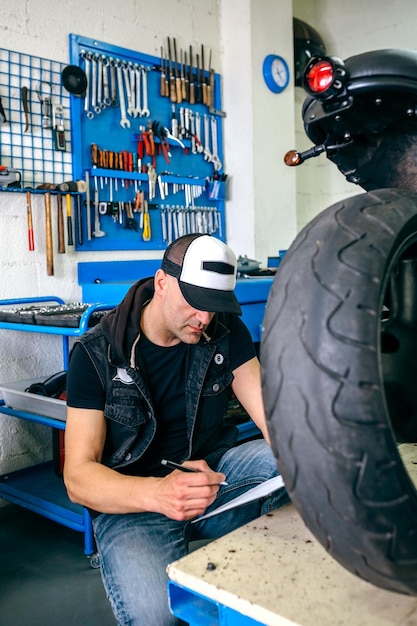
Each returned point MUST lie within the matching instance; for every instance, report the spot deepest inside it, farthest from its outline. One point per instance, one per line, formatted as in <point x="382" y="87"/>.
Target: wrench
<point x="113" y="91"/>
<point x="207" y="154"/>
<point x="198" y="132"/>
<point x="130" y="107"/>
<point x="99" y="106"/>
<point x="215" y="156"/>
<point x="87" y="62"/>
<point x="124" y="122"/>
<point x="192" y="131"/>
<point x="138" y="74"/>
<point x="132" y="77"/>
<point x="145" y="109"/>
<point x="106" y="90"/>
<point x="93" y="59"/>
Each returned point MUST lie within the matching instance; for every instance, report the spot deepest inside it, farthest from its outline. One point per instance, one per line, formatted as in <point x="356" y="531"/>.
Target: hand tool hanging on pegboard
<point x="44" y="91"/>
<point x="60" y="225"/>
<point x="48" y="236"/>
<point x="3" y="117"/>
<point x="25" y="103"/>
<point x="58" y="127"/>
<point x="70" y="238"/>
<point x="31" y="241"/>
<point x="163" y="85"/>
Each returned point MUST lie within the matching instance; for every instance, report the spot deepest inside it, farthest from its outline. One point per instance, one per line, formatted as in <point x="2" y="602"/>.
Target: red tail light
<point x="320" y="76"/>
<point x="324" y="77"/>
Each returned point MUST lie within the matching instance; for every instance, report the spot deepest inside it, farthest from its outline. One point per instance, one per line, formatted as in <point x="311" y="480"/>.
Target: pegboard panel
<point x="28" y="142"/>
<point x="184" y="197"/>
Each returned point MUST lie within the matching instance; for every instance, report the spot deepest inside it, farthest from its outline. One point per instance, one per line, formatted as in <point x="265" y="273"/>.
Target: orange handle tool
<point x="30" y="222"/>
<point x="48" y="236"/>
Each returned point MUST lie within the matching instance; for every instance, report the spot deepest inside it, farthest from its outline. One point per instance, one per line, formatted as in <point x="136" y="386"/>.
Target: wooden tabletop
<point x="274" y="571"/>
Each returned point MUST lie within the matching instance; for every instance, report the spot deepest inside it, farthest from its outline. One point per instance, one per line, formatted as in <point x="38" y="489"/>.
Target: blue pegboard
<point x="194" y="201"/>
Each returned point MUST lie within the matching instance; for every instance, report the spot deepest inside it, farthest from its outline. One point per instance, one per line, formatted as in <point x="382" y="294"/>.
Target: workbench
<point x="272" y="571"/>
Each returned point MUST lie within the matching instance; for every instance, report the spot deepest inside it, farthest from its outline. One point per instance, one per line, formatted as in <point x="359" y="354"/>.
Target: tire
<point x="339" y="376"/>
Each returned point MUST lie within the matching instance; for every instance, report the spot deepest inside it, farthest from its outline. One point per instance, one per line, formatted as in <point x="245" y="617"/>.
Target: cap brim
<point x="212" y="300"/>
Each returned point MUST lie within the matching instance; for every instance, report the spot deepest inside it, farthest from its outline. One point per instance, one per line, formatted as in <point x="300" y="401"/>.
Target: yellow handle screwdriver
<point x="69" y="220"/>
<point x="146" y="234"/>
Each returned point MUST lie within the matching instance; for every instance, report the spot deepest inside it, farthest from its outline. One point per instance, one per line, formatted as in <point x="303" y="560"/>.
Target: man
<point x="152" y="382"/>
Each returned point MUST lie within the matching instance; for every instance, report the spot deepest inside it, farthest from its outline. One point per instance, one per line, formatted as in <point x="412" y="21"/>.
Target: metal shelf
<point x="40" y="490"/>
<point x="37" y="487"/>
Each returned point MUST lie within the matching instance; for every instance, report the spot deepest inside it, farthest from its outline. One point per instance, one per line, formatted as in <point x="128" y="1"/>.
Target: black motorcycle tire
<point x="328" y="417"/>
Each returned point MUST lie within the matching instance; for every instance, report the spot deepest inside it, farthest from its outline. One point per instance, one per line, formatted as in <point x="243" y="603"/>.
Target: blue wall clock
<point x="276" y="73"/>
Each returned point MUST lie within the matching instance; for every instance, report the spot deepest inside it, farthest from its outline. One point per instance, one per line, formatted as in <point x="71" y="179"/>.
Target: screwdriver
<point x="146" y="234"/>
<point x="60" y="222"/>
<point x="69" y="220"/>
<point x="164" y="88"/>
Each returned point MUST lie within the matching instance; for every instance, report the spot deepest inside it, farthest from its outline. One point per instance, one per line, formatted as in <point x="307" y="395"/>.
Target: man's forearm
<point x="102" y="489"/>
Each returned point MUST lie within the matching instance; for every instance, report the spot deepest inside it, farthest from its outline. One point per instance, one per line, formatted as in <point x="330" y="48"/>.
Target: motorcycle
<point x="339" y="345"/>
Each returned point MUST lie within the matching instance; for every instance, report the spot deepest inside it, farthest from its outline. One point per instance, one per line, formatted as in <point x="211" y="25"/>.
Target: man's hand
<point x="185" y="495"/>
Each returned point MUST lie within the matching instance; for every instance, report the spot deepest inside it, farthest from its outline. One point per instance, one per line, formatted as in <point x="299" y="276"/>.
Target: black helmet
<point x="353" y="104"/>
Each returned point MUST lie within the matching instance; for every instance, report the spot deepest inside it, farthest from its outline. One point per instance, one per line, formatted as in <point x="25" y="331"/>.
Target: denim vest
<point x="130" y="416"/>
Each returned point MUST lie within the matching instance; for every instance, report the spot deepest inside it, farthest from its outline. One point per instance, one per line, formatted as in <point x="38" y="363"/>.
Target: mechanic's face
<point x="182" y="321"/>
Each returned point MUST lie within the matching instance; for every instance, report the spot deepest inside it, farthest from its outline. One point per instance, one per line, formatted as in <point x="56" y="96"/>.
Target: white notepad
<point x="260" y="491"/>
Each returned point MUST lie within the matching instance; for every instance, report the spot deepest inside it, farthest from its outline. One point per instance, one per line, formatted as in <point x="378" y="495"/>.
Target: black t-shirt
<point x="166" y="371"/>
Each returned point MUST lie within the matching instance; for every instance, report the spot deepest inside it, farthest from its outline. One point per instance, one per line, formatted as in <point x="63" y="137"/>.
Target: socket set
<point x="62" y="315"/>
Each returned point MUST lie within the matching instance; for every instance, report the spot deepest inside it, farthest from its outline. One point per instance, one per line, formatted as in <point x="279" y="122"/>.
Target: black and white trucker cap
<point x="206" y="271"/>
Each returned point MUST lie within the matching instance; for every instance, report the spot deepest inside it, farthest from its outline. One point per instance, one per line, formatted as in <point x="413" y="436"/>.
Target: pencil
<point x="182" y="468"/>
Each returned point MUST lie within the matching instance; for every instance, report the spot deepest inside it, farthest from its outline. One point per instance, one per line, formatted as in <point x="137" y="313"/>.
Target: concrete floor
<point x="45" y="579"/>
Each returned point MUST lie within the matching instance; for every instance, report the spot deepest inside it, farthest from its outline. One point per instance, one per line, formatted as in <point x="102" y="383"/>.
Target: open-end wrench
<point x="106" y="89"/>
<point x="198" y="132"/>
<point x="132" y="83"/>
<point x="215" y="155"/>
<point x="207" y="154"/>
<point x="124" y="122"/>
<point x="113" y="90"/>
<point x="126" y="74"/>
<point x="93" y="61"/>
<point x="86" y="58"/>
<point x="138" y="74"/>
<point x="99" y="99"/>
<point x="192" y="131"/>
<point x="145" y="110"/>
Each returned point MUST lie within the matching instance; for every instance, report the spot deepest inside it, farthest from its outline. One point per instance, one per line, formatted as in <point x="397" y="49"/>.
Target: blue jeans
<point x="136" y="548"/>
